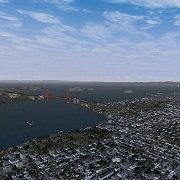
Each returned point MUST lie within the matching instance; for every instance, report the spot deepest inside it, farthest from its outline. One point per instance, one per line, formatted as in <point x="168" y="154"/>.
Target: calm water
<point x="54" y="116"/>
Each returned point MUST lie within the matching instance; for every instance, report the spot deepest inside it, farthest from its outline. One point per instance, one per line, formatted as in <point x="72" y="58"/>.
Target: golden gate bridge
<point x="48" y="95"/>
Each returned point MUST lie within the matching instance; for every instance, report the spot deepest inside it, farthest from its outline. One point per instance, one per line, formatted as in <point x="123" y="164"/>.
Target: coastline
<point x="137" y="138"/>
<point x="83" y="105"/>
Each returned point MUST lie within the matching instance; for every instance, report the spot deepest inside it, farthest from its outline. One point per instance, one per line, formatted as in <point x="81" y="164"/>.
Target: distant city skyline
<point x="90" y="40"/>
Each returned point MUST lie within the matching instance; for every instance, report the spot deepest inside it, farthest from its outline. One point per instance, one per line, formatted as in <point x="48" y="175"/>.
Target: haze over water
<point x="56" y="115"/>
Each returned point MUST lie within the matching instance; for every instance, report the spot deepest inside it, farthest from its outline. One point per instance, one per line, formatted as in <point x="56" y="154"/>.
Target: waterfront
<point x="48" y="117"/>
<point x="138" y="140"/>
<point x="54" y="116"/>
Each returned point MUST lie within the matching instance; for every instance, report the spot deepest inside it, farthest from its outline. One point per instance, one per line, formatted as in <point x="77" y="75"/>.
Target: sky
<point x="90" y="40"/>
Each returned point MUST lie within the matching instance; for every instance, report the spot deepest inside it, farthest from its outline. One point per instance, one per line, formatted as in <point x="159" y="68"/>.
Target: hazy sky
<point x="102" y="40"/>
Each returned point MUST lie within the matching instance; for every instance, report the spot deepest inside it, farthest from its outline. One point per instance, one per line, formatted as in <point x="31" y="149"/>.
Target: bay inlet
<point x="22" y="121"/>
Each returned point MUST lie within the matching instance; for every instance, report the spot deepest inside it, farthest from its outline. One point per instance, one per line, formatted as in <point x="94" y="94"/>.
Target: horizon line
<point x="31" y="80"/>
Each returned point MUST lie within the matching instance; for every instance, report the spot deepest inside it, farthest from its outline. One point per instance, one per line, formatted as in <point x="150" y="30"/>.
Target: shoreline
<point x="83" y="105"/>
<point x="137" y="138"/>
<point x="54" y="133"/>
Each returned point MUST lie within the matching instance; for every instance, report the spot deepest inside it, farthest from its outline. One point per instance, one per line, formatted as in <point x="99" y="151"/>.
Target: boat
<point x="30" y="123"/>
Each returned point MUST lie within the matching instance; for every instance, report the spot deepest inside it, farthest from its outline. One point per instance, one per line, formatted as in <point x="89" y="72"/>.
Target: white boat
<point x="30" y="123"/>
